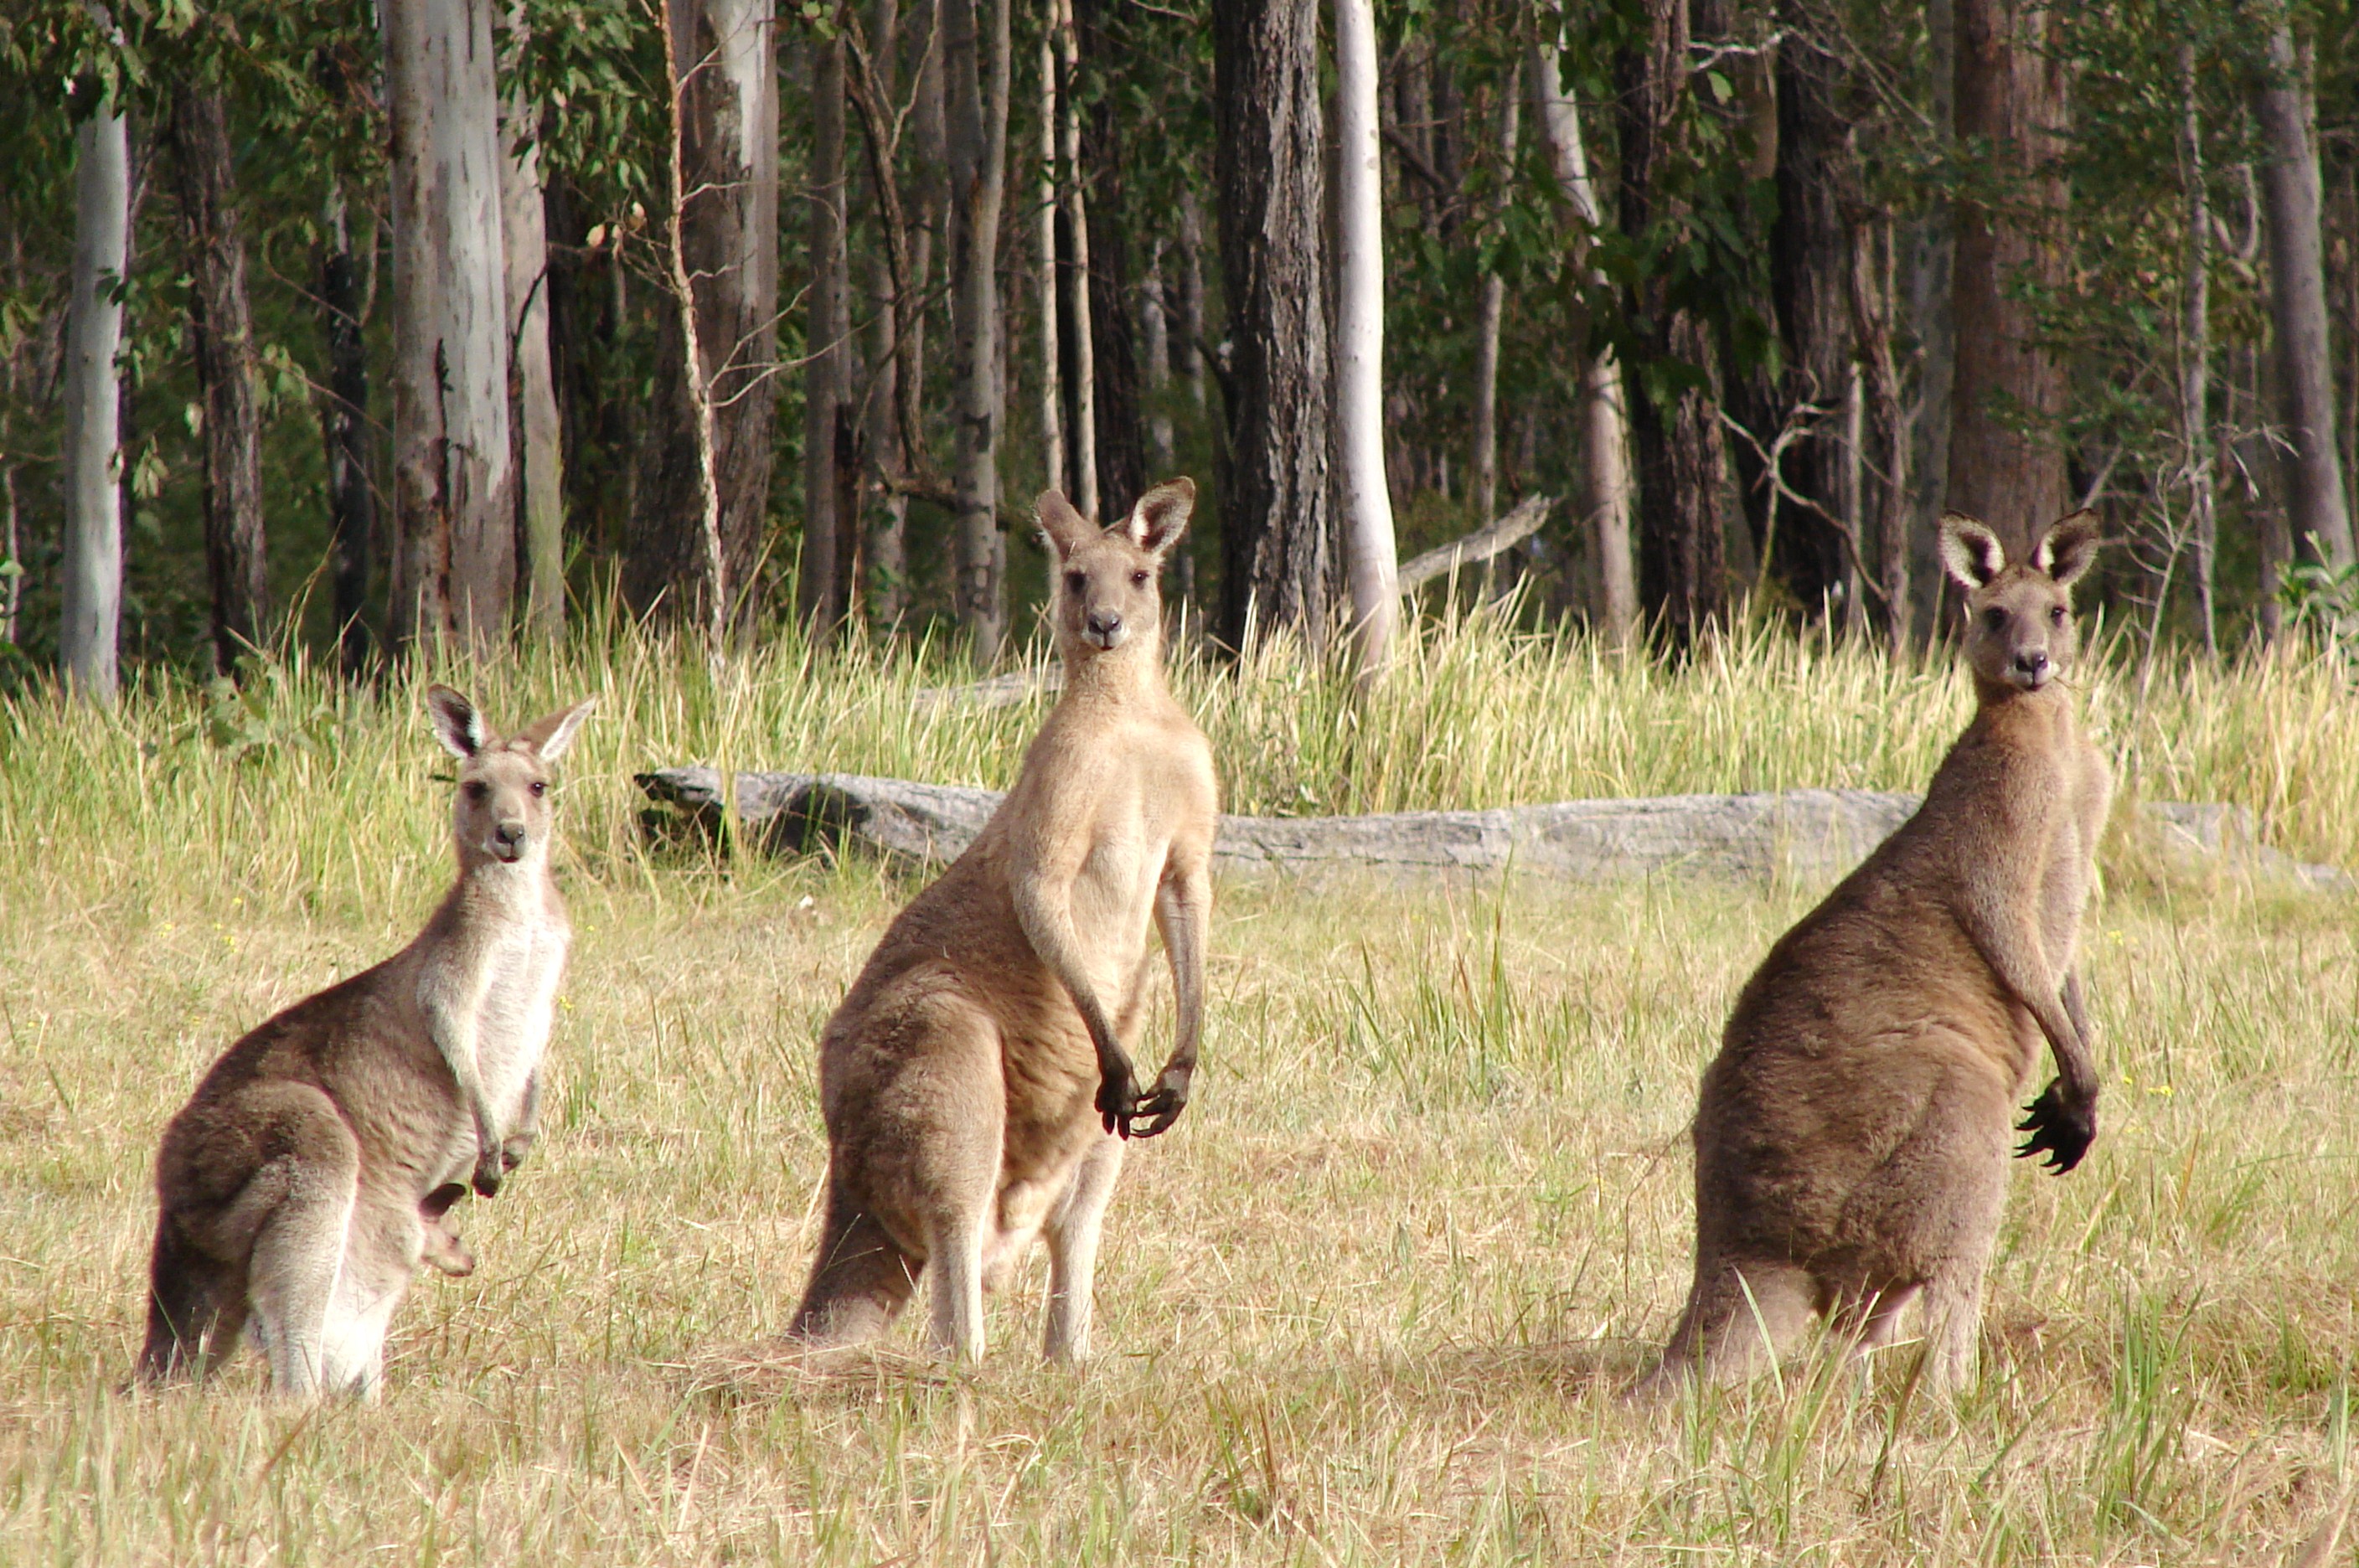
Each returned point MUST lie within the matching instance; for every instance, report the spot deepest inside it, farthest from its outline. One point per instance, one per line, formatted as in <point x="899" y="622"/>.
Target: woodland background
<point x="1752" y="290"/>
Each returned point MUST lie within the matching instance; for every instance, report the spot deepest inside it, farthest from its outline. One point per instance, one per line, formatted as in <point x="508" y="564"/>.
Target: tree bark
<point x="1155" y="332"/>
<point x="2195" y="347"/>
<point x="1892" y="508"/>
<point x="89" y="635"/>
<point x="897" y="337"/>
<point x="2006" y="465"/>
<point x="454" y="499"/>
<point x="1369" y="550"/>
<point x="1187" y="360"/>
<point x="975" y="45"/>
<point x="1809" y="273"/>
<point x="2285" y="105"/>
<point x="1056" y="460"/>
<point x="1278" y="563"/>
<point x="221" y="331"/>
<point x="1930" y="298"/>
<point x="1605" y="498"/>
<point x="540" y="458"/>
<point x="1683" y="454"/>
<point x="1080" y="325"/>
<point x="727" y="204"/>
<point x="827" y="374"/>
<point x="343" y="425"/>
<point x="1490" y="316"/>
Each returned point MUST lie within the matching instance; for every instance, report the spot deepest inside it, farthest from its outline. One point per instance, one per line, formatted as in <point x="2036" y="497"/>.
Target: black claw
<point x="2061" y="1133"/>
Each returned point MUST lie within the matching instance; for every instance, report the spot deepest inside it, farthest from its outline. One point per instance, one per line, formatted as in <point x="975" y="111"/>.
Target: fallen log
<point x="1807" y="834"/>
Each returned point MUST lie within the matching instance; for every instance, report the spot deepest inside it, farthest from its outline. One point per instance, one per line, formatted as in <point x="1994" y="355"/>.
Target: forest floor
<point x="1372" y="1300"/>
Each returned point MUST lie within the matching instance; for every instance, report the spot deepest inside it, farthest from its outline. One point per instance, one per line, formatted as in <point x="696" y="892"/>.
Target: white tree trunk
<point x="827" y="374"/>
<point x="1368" y="546"/>
<point x="1163" y="442"/>
<point x="1052" y="372"/>
<point x="94" y="544"/>
<point x="454" y="499"/>
<point x="2195" y="345"/>
<point x="1489" y="319"/>
<point x="540" y="531"/>
<point x="1605" y="409"/>
<point x="2285" y="107"/>
<point x="1082" y="439"/>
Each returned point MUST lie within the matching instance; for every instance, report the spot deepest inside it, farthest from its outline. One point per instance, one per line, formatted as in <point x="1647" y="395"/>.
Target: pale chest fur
<point x="522" y="972"/>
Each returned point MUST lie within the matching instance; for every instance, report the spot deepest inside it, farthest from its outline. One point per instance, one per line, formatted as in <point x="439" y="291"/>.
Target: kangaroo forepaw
<point x="487" y="1176"/>
<point x="1161" y="1108"/>
<point x="2061" y="1131"/>
<point x="1118" y="1100"/>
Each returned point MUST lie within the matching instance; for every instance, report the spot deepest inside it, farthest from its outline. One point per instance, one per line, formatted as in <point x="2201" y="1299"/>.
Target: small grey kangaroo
<point x="312" y="1171"/>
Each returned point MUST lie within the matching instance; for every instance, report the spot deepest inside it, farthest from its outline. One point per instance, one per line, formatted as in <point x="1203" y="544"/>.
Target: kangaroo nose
<point x="2032" y="661"/>
<point x="1105" y="623"/>
<point x="508" y="835"/>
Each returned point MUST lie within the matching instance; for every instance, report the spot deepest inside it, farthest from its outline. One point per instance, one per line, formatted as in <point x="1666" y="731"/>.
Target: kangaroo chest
<point x="519" y="1001"/>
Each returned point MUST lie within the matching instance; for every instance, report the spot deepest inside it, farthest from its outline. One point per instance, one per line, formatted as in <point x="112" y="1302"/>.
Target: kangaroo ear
<point x="456" y="724"/>
<point x="1062" y="525"/>
<point x="1161" y="515"/>
<point x="2069" y="547"/>
<point x="1971" y="551"/>
<point x="552" y="733"/>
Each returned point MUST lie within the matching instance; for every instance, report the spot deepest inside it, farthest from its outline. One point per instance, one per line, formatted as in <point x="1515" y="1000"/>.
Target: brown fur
<point x="311" y="1173"/>
<point x="976" y="1078"/>
<point x="1851" y="1135"/>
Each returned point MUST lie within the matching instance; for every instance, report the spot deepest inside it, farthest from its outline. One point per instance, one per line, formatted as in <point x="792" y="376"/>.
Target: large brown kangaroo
<point x="312" y="1171"/>
<point x="975" y="1082"/>
<point x="1852" y="1138"/>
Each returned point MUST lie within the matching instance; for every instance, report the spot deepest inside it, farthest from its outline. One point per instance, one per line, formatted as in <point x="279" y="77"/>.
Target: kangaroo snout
<point x="508" y="840"/>
<point x="2031" y="665"/>
<point x="1104" y="628"/>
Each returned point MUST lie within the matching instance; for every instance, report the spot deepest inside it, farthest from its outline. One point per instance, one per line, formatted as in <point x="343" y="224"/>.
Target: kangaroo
<point x="1851" y="1138"/>
<point x="313" y="1170"/>
<point x="975" y="1082"/>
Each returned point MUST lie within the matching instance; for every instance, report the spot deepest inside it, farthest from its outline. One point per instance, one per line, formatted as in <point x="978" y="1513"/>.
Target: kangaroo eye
<point x="2056" y="615"/>
<point x="1995" y="619"/>
<point x="539" y="788"/>
<point x="1075" y="581"/>
<point x="1138" y="579"/>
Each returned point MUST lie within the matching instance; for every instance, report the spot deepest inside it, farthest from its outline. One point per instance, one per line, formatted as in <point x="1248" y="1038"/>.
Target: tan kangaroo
<point x="313" y="1170"/>
<point x="1851" y="1137"/>
<point x="974" y="1081"/>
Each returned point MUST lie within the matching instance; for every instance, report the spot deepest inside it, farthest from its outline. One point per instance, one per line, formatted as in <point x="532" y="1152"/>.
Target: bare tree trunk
<point x="1189" y="359"/>
<point x="90" y="629"/>
<point x="1279" y="562"/>
<point x="2285" y="104"/>
<point x="221" y="330"/>
<point x="2011" y="97"/>
<point x="1112" y="381"/>
<point x="1683" y="454"/>
<point x="1870" y="296"/>
<point x="1931" y="249"/>
<point x="2195" y="346"/>
<point x="344" y="423"/>
<point x="699" y="514"/>
<point x="540" y="459"/>
<point x="1490" y="314"/>
<point x="1604" y="420"/>
<point x="1052" y="372"/>
<point x="897" y="308"/>
<point x="454" y="502"/>
<point x="1369" y="554"/>
<point x="1080" y="335"/>
<point x="975" y="45"/>
<point x="1155" y="328"/>
<point x="827" y="377"/>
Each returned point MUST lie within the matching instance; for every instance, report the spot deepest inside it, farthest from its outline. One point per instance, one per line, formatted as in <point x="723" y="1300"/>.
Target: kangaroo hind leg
<point x="859" y="1282"/>
<point x="1741" y="1318"/>
<point x="1072" y="1232"/>
<point x="196" y="1310"/>
<point x="300" y="1247"/>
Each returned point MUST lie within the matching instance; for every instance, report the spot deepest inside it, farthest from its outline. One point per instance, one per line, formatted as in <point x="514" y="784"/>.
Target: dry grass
<point x="1369" y="1302"/>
